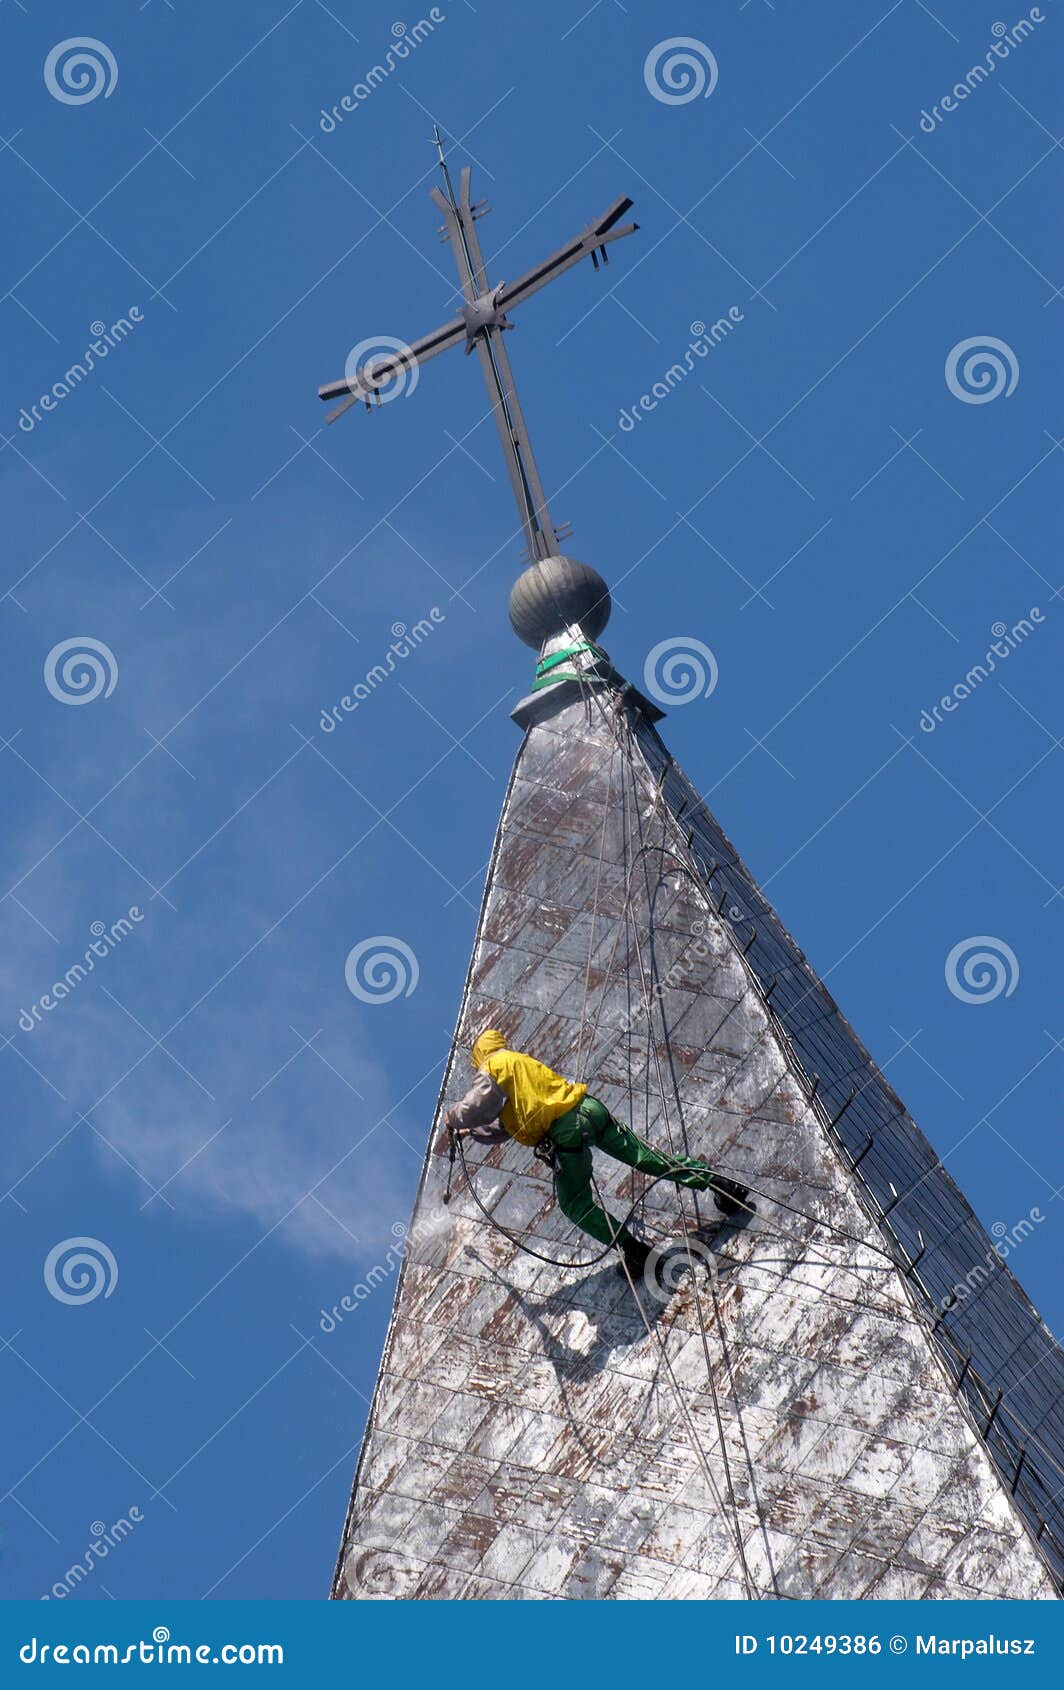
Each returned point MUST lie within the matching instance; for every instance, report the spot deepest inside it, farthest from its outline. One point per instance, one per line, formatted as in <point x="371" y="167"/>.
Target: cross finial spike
<point x="437" y="139"/>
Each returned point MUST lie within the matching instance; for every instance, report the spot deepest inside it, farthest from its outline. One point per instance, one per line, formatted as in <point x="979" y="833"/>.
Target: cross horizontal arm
<point x="379" y="371"/>
<point x="594" y="238"/>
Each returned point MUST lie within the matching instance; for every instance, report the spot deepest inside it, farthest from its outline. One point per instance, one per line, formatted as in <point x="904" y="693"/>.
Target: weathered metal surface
<point x="528" y="1437"/>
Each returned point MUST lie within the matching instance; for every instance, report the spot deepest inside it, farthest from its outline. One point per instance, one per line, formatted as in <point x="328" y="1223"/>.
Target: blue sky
<point x="816" y="503"/>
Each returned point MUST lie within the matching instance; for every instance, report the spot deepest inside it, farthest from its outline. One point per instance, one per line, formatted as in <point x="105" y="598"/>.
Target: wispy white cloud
<point x="300" y="1131"/>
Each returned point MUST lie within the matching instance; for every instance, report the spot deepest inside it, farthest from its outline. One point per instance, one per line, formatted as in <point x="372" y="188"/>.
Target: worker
<point x="537" y="1107"/>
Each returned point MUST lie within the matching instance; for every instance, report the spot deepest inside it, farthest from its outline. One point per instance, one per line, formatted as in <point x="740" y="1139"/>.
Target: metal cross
<point x="480" y="325"/>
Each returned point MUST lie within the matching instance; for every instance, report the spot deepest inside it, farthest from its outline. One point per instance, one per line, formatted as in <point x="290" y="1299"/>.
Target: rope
<point x="519" y="1238"/>
<point x="626" y="763"/>
<point x="750" y="1586"/>
<point x="651" y="897"/>
<point x="889" y="1255"/>
<point x="696" y="1442"/>
<point x="640" y="854"/>
<point x="591" y="935"/>
<point x="701" y="1321"/>
<point x="681" y="1402"/>
<point x="685" y="869"/>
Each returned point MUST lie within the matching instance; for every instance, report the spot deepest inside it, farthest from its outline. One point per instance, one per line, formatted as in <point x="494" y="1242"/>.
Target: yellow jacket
<point x="535" y="1095"/>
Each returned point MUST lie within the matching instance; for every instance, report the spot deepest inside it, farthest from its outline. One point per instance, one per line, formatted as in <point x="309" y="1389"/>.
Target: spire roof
<point x="848" y="1396"/>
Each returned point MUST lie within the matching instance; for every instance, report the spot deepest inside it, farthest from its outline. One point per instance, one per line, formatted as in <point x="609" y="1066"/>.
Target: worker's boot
<point x="730" y="1197"/>
<point x="635" y="1255"/>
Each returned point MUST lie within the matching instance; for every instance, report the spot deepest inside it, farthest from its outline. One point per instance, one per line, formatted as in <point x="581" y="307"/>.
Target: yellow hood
<point x="488" y="1043"/>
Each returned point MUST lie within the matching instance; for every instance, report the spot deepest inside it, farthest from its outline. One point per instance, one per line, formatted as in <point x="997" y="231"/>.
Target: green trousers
<point x="591" y="1123"/>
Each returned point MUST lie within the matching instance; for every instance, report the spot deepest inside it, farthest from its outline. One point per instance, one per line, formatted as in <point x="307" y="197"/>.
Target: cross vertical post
<point x="460" y="223"/>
